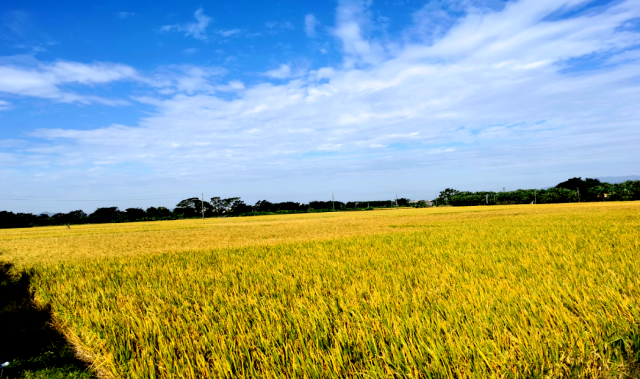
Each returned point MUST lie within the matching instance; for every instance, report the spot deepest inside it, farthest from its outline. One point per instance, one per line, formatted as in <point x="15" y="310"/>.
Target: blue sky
<point x="130" y="104"/>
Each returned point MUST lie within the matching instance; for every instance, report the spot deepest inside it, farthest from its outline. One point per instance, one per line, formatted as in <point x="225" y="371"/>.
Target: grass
<point x="479" y="292"/>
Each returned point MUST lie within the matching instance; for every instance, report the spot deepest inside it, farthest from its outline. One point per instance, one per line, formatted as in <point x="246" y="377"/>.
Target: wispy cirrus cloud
<point x="17" y="22"/>
<point x="123" y="15"/>
<point x="279" y="25"/>
<point x="310" y="24"/>
<point x="27" y="77"/>
<point x="229" y="32"/>
<point x="195" y="29"/>
<point x="282" y="72"/>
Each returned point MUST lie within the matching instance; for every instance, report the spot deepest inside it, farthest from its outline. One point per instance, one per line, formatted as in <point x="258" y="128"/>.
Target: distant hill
<point x="618" y="179"/>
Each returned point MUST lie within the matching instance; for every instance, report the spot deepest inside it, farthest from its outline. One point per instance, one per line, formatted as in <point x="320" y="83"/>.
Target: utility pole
<point x="487" y="199"/>
<point x="202" y="206"/>
<point x="333" y="204"/>
<point x="578" y="189"/>
<point x="396" y="199"/>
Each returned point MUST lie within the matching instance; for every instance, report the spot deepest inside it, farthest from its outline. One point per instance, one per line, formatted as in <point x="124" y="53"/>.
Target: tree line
<point x="572" y="190"/>
<point x="187" y="208"/>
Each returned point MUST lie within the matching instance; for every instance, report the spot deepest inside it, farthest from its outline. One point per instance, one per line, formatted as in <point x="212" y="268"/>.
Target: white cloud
<point x="195" y="29"/>
<point x="286" y="71"/>
<point x="352" y="26"/>
<point x="229" y="32"/>
<point x="191" y="50"/>
<point x="46" y="80"/>
<point x="283" y="25"/>
<point x="4" y="105"/>
<point x="310" y="24"/>
<point x="16" y="21"/>
<point x="123" y="15"/>
<point x="187" y="79"/>
<point x="282" y="72"/>
<point x="628" y="56"/>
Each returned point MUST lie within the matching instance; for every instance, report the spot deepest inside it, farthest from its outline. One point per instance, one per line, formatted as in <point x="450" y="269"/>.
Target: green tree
<point x="445" y="196"/>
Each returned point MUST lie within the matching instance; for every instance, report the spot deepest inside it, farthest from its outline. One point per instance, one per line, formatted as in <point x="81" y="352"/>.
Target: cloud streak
<point x="123" y="15"/>
<point x="195" y="29"/>
<point x="46" y="80"/>
<point x="310" y="23"/>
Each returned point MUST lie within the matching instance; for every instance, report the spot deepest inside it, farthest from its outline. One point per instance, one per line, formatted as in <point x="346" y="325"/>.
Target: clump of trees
<point x="572" y="190"/>
<point x="188" y="208"/>
<point x="99" y="216"/>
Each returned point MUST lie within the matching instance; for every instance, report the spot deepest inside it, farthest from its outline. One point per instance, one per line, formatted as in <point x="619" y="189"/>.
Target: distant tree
<point x="403" y="202"/>
<point x="558" y="195"/>
<point x="8" y="220"/>
<point x="574" y="183"/>
<point x="217" y="205"/>
<point x="103" y="215"/>
<point x="73" y="217"/>
<point x="162" y="213"/>
<point x="446" y="195"/>
<point x="44" y="219"/>
<point x="184" y="212"/>
<point x="60" y="218"/>
<point x="220" y="207"/>
<point x="192" y="205"/>
<point x="263" y="206"/>
<point x="135" y="214"/>
<point x="631" y="188"/>
<point x="420" y="204"/>
<point x="515" y="197"/>
<point x="78" y="216"/>
<point x="152" y="212"/>
<point x="289" y="206"/>
<point x="238" y="207"/>
<point x="318" y="205"/>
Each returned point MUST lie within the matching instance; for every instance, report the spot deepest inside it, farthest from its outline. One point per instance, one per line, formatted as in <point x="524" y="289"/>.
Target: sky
<point x="137" y="104"/>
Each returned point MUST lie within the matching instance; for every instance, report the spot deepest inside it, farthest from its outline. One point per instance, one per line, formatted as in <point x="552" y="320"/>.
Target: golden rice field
<point x="535" y="291"/>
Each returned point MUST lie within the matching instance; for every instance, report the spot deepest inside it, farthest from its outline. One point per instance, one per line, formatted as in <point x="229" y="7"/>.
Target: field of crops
<point x="470" y="292"/>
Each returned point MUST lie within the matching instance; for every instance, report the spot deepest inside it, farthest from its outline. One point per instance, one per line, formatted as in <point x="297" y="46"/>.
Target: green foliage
<point x="420" y="204"/>
<point x="446" y="196"/>
<point x="559" y="195"/>
<point x="627" y="191"/>
<point x="574" y="183"/>
<point x="57" y="373"/>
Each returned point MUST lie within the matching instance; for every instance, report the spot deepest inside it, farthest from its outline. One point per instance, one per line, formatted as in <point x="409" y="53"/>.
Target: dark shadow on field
<point x="33" y="348"/>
